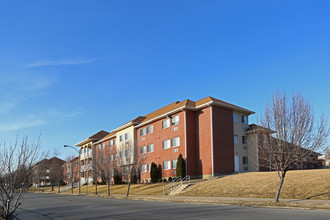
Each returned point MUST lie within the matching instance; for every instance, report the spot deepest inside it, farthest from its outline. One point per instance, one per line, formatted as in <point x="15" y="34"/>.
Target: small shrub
<point x="170" y="179"/>
<point x="164" y="180"/>
<point x="159" y="180"/>
<point x="180" y="167"/>
<point x="154" y="173"/>
<point x="116" y="177"/>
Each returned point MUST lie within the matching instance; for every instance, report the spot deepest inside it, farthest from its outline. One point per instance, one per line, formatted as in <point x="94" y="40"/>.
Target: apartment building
<point x="209" y="134"/>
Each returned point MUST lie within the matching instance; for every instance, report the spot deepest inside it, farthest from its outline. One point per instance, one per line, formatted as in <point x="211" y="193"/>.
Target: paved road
<point x="51" y="206"/>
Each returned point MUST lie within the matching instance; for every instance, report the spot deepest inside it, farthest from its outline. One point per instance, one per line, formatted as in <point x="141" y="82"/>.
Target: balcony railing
<point x="86" y="155"/>
<point x="86" y="167"/>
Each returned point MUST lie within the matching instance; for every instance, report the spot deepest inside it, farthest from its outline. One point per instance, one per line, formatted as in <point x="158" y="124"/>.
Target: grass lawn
<point x="298" y="184"/>
<point x="136" y="189"/>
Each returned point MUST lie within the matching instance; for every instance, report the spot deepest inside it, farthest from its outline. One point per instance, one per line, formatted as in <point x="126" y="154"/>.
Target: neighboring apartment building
<point x="256" y="159"/>
<point x="209" y="134"/>
<point x="48" y="171"/>
<point x="86" y="155"/>
<point x="71" y="171"/>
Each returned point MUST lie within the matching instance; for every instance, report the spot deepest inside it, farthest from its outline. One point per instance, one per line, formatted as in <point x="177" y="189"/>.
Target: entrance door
<point x="236" y="164"/>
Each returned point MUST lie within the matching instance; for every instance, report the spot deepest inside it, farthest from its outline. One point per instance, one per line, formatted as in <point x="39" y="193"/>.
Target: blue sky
<point x="71" y="68"/>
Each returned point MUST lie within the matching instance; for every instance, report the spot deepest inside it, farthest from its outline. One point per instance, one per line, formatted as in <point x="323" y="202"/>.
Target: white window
<point x="235" y="117"/>
<point x="143" y="132"/>
<point x="111" y="157"/>
<point x="175" y="120"/>
<point x="244" y="119"/>
<point x="99" y="146"/>
<point x="102" y="146"/>
<point x="114" y="141"/>
<point x="121" y="138"/>
<point x="174" y="164"/>
<point x="115" y="156"/>
<point x="235" y="139"/>
<point x="143" y="149"/>
<point x="111" y="143"/>
<point x="167" y="165"/>
<point x="149" y="167"/>
<point x="144" y="168"/>
<point x="166" y="144"/>
<point x="150" y="129"/>
<point x="126" y="136"/>
<point x="150" y="148"/>
<point x="166" y="123"/>
<point x="176" y="142"/>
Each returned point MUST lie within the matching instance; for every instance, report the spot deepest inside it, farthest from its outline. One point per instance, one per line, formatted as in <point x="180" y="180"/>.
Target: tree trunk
<point x="96" y="187"/>
<point x="129" y="185"/>
<point x="108" y="189"/>
<point x="59" y="188"/>
<point x="52" y="187"/>
<point x="280" y="186"/>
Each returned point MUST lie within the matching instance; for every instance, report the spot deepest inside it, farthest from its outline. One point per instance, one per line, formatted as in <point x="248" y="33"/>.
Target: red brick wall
<point x="191" y="160"/>
<point x="203" y="142"/>
<point x="159" y="155"/>
<point x="223" y="140"/>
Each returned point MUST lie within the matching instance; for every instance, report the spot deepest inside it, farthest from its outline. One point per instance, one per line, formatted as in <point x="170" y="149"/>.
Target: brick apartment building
<point x="209" y="134"/>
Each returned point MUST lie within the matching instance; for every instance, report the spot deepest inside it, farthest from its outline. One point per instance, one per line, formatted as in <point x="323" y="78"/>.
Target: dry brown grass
<point x="298" y="184"/>
<point x="136" y="189"/>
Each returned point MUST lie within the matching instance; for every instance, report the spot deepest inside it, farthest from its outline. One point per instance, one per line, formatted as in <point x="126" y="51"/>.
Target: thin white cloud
<point x="59" y="62"/>
<point x="22" y="124"/>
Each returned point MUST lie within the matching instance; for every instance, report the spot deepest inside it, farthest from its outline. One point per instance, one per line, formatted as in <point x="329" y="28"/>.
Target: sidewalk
<point x="251" y="202"/>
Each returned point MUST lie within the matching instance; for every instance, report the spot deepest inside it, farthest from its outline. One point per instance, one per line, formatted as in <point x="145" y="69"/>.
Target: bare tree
<point x="291" y="134"/>
<point x="16" y="165"/>
<point x="55" y="169"/>
<point x="129" y="162"/>
<point x="106" y="168"/>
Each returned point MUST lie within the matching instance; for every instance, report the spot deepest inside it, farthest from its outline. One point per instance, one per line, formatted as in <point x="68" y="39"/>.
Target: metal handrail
<point x="176" y="183"/>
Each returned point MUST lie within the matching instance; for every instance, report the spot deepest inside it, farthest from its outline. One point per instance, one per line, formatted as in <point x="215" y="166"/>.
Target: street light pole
<point x="79" y="166"/>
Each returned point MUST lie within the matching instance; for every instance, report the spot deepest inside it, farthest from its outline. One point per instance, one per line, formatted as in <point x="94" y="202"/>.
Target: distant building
<point x="47" y="171"/>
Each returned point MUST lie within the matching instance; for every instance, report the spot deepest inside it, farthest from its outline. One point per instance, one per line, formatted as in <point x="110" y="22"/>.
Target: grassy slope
<point x="298" y="184"/>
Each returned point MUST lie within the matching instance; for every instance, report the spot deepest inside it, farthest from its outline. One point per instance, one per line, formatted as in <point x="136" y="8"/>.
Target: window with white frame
<point x="99" y="146"/>
<point x="111" y="143"/>
<point x="102" y="146"/>
<point x="235" y="139"/>
<point x="115" y="156"/>
<point x="143" y="149"/>
<point x="111" y="157"/>
<point x="121" y="138"/>
<point x="175" y="120"/>
<point x="150" y="129"/>
<point x="166" y="123"/>
<point x="114" y="141"/>
<point x="174" y="164"/>
<point x="235" y="117"/>
<point x="143" y="131"/>
<point x="244" y="119"/>
<point x="150" y="148"/>
<point x="166" y="144"/>
<point x="144" y="168"/>
<point x="126" y="136"/>
<point x="149" y="167"/>
<point x="176" y="142"/>
<point x="167" y="165"/>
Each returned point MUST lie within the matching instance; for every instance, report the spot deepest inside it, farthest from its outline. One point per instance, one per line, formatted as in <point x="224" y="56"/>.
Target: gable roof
<point x="95" y="137"/>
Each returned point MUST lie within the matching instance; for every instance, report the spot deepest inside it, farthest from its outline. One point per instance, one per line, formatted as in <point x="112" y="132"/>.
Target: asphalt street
<point x="52" y="206"/>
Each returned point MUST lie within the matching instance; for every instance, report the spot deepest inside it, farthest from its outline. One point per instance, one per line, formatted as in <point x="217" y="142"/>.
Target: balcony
<point x="86" y="155"/>
<point x="86" y="167"/>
